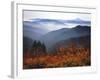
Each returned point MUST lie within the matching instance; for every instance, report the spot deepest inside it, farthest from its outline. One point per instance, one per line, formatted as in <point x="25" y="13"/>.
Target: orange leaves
<point x="66" y="58"/>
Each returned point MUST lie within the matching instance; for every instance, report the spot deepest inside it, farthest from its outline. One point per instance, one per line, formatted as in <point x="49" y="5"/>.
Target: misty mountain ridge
<point x="36" y="28"/>
<point x="47" y="24"/>
<point x="53" y="37"/>
<point x="59" y="21"/>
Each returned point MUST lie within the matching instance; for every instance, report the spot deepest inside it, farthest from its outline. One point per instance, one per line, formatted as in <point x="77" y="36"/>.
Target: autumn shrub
<point x="64" y="57"/>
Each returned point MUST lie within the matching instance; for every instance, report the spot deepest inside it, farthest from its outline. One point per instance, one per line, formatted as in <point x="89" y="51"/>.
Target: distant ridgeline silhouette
<point x="48" y="42"/>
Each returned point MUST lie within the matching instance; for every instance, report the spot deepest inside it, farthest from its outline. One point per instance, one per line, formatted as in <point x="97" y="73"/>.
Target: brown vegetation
<point x="64" y="57"/>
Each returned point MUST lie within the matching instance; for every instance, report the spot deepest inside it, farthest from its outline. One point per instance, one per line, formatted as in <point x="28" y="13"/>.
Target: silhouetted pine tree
<point x="44" y="47"/>
<point x="38" y="48"/>
<point x="33" y="46"/>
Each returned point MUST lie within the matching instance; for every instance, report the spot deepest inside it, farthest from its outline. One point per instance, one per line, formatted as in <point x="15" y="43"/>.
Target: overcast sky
<point x="28" y="15"/>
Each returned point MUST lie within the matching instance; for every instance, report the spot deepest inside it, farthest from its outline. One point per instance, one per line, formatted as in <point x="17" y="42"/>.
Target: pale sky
<point x="28" y="15"/>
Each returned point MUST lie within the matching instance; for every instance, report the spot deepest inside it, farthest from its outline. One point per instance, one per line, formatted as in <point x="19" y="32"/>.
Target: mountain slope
<point x="53" y="37"/>
<point x="31" y="31"/>
<point x="83" y="41"/>
<point x="27" y="43"/>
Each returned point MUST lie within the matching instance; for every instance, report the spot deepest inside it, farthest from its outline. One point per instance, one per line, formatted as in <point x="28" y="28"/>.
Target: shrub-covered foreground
<point x="64" y="57"/>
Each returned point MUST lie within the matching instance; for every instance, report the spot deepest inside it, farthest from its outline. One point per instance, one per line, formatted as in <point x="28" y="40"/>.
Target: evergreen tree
<point x="34" y="45"/>
<point x="39" y="44"/>
<point x="38" y="48"/>
<point x="43" y="47"/>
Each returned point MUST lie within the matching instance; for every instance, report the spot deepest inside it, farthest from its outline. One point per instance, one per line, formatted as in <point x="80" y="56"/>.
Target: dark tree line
<point x="38" y="48"/>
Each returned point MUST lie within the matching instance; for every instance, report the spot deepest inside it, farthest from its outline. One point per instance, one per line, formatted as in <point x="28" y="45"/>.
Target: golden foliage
<point x="65" y="57"/>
